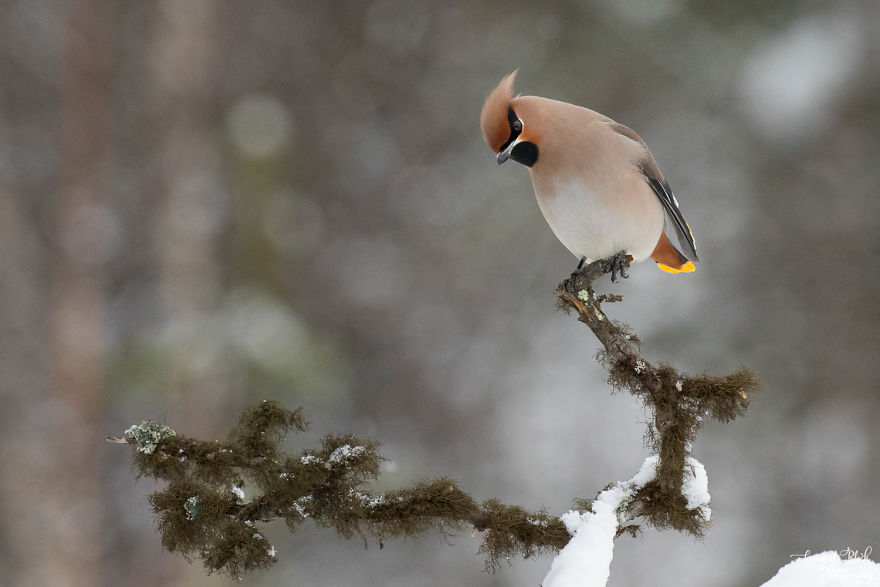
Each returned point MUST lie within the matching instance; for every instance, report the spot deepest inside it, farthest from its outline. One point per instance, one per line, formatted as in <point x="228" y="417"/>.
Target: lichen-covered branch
<point x="679" y="402"/>
<point x="204" y="512"/>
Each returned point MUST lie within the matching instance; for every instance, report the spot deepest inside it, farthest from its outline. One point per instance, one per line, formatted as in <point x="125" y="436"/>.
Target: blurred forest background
<point x="204" y="204"/>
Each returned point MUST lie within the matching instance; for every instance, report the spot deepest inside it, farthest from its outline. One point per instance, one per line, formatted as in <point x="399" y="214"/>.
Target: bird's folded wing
<point x="675" y="226"/>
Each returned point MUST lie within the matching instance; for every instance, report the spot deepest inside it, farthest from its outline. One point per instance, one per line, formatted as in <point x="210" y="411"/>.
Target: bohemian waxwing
<point x="596" y="181"/>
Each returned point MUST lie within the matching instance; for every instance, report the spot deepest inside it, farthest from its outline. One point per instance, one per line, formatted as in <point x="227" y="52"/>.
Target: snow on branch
<point x="586" y="559"/>
<point x="204" y="511"/>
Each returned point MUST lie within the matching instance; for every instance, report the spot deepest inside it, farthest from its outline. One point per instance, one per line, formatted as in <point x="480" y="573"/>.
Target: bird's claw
<point x="616" y="265"/>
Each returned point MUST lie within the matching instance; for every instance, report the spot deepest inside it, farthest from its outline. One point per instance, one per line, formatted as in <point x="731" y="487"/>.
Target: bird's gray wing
<point x="674" y="225"/>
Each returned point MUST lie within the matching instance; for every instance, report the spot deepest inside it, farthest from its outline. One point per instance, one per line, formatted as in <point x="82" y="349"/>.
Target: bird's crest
<point x="493" y="118"/>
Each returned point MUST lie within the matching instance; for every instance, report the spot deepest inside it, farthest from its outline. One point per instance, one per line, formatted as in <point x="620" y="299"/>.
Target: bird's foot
<point x="616" y="265"/>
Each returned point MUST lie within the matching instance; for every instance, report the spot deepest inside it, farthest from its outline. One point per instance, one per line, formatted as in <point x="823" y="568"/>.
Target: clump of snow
<point x="827" y="569"/>
<point x="344" y="453"/>
<point x="309" y="459"/>
<point x="271" y="552"/>
<point x="238" y="491"/>
<point x="366" y="500"/>
<point x="646" y="472"/>
<point x="300" y="505"/>
<point x="586" y="559"/>
<point x="696" y="487"/>
<point x="372" y="502"/>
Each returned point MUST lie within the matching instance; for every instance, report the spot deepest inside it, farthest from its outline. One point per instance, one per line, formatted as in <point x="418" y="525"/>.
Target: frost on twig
<point x="203" y="511"/>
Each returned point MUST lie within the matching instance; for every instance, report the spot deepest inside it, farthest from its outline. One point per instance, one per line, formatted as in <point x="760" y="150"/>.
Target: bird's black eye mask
<point x="515" y="128"/>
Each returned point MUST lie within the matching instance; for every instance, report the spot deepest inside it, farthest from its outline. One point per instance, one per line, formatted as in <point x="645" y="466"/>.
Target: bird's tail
<point x="686" y="268"/>
<point x="670" y="259"/>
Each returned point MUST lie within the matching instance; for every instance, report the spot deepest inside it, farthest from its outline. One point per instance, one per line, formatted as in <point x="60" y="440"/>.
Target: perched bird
<point x="596" y="181"/>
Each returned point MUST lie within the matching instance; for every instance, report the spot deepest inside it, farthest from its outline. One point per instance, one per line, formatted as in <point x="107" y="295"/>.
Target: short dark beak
<point x="505" y="154"/>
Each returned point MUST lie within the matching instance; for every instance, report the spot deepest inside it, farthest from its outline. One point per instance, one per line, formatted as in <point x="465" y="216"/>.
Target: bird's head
<point x="505" y="130"/>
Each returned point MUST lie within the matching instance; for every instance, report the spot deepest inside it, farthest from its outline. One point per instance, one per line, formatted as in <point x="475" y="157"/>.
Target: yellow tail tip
<point x="686" y="268"/>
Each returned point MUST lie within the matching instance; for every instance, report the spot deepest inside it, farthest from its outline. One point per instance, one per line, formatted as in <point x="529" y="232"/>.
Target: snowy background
<point x="203" y="204"/>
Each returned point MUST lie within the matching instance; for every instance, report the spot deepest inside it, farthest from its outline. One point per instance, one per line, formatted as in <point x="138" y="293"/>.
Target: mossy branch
<point x="679" y="402"/>
<point x="203" y="511"/>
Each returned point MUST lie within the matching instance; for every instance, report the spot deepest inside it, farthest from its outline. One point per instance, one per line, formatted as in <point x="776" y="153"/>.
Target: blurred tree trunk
<point x="184" y="52"/>
<point x="71" y="494"/>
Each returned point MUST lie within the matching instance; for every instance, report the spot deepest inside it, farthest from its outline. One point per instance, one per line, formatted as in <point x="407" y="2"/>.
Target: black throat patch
<point x="525" y="153"/>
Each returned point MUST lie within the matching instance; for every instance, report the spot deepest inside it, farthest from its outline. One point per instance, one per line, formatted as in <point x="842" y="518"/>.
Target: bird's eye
<point x="517" y="125"/>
